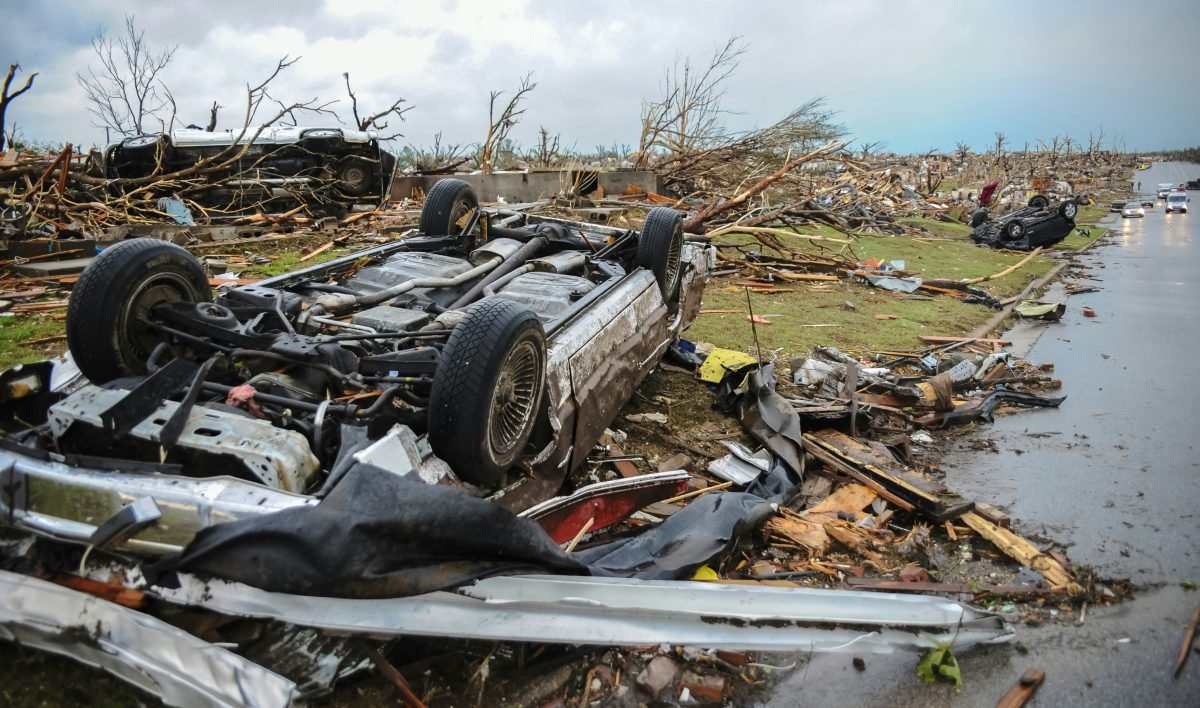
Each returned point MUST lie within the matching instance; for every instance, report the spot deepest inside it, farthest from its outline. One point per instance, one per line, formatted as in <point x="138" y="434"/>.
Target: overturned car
<point x="371" y="447"/>
<point x="314" y="164"/>
<point x="1037" y="224"/>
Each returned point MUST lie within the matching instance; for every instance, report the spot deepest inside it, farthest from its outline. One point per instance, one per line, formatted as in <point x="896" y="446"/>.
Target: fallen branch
<point x="737" y="229"/>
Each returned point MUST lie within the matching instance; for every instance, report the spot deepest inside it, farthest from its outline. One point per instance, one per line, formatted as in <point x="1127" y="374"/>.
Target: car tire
<point x="1039" y="201"/>
<point x="1014" y="230"/>
<point x="660" y="250"/>
<point x="124" y="282"/>
<point x="978" y="217"/>
<point x="1068" y="210"/>
<point x="353" y="176"/>
<point x="445" y="206"/>
<point x="487" y="390"/>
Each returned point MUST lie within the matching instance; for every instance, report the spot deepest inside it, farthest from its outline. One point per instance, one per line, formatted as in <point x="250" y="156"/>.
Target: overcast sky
<point x="917" y="74"/>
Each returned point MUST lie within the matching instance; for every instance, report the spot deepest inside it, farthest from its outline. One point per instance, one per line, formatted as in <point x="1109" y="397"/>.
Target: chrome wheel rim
<point x="674" y="258"/>
<point x="514" y="398"/>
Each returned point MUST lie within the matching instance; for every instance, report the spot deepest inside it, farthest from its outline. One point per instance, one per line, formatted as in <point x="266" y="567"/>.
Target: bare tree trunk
<point x="7" y="98"/>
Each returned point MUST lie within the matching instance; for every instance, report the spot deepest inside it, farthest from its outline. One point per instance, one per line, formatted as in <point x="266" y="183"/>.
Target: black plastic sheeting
<point x="375" y="535"/>
<point x="985" y="410"/>
<point x="689" y="538"/>
<point x="381" y="535"/>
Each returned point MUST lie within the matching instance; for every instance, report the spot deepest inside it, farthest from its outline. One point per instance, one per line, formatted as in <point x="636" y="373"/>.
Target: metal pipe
<point x="344" y="325"/>
<point x="338" y="303"/>
<point x="512" y="262"/>
<point x="491" y="288"/>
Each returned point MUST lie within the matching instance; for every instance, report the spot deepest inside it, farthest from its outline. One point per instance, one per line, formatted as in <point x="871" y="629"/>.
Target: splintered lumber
<point x="898" y="484"/>
<point x="807" y="528"/>
<point x="1023" y="689"/>
<point x="328" y="245"/>
<point x="1188" y="637"/>
<point x="801" y="276"/>
<point x="1056" y="574"/>
<point x="955" y="340"/>
<point x="878" y="585"/>
<point x="738" y="229"/>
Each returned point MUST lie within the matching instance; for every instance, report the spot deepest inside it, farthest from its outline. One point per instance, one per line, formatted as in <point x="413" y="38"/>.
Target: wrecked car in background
<point x="1037" y="224"/>
<point x="371" y="447"/>
<point x="331" y="164"/>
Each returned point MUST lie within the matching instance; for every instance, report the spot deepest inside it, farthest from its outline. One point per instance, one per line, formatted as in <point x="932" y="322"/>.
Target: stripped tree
<point x="7" y="137"/>
<point x="375" y="121"/>
<point x="124" y="90"/>
<point x="499" y="124"/>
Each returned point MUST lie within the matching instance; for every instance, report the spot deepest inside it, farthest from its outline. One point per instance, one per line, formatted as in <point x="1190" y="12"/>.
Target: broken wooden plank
<point x="807" y="528"/>
<point x="1023" y="689"/>
<point x="40" y="257"/>
<point x="1188" y="637"/>
<point x="1025" y="553"/>
<point x="953" y="340"/>
<point x="862" y="463"/>
<point x="841" y="466"/>
<point x="877" y="584"/>
<point x="317" y="251"/>
<point x="993" y="515"/>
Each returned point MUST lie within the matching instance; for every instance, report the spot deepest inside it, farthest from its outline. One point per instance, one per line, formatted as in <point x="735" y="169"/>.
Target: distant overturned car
<point x="323" y="165"/>
<point x="1038" y="224"/>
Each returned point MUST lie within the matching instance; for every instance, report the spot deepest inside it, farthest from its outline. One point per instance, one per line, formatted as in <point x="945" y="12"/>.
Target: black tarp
<point x="380" y="535"/>
<point x="375" y="534"/>
<point x="689" y="538"/>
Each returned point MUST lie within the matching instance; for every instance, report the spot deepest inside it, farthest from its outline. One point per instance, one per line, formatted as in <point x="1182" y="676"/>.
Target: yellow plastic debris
<point x="706" y="574"/>
<point x="719" y="361"/>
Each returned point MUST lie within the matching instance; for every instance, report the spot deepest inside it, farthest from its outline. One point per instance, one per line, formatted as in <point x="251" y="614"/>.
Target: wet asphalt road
<point x="1117" y="481"/>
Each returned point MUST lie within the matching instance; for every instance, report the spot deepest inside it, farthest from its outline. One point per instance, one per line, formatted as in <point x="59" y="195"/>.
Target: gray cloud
<point x="916" y="73"/>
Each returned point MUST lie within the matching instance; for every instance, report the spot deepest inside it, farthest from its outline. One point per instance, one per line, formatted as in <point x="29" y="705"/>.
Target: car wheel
<point x="1068" y="210"/>
<point x="1014" y="230"/>
<point x="446" y="206"/>
<point x="660" y="248"/>
<point x="1039" y="201"/>
<point x="487" y="390"/>
<point x="106" y="315"/>
<point x="354" y="175"/>
<point x="978" y="217"/>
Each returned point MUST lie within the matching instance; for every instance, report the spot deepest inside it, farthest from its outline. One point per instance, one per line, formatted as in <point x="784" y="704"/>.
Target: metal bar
<point x="148" y="653"/>
<point x="618" y="612"/>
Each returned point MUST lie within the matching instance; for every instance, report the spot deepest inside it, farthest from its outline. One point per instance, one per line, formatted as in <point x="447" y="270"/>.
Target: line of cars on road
<point x="1174" y="196"/>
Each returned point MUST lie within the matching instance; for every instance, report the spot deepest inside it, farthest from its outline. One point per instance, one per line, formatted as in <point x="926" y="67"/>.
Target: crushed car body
<point x="334" y="165"/>
<point x="374" y="447"/>
<point x="1037" y="224"/>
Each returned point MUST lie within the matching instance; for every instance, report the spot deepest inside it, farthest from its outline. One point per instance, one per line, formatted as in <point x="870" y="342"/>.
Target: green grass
<point x="17" y="330"/>
<point x="941" y="229"/>
<point x="858" y="329"/>
<point x="1077" y="241"/>
<point x="289" y="261"/>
